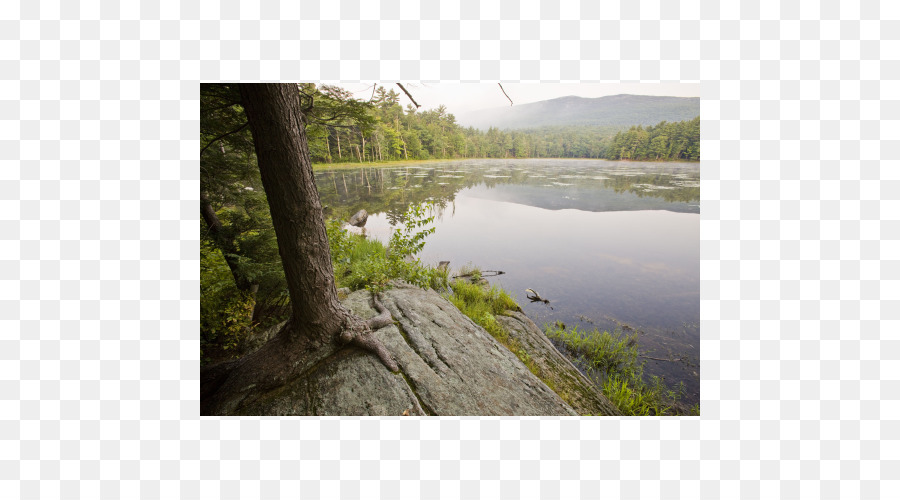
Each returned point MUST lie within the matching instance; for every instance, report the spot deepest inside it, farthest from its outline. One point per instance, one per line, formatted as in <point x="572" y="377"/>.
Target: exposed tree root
<point x="362" y="334"/>
<point x="227" y="387"/>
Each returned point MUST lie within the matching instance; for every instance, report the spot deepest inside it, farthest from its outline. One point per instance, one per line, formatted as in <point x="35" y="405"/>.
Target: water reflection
<point x="609" y="243"/>
<point x="591" y="185"/>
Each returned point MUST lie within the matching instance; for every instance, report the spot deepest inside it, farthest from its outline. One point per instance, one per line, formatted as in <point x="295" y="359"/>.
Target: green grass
<point x="481" y="300"/>
<point x="613" y="358"/>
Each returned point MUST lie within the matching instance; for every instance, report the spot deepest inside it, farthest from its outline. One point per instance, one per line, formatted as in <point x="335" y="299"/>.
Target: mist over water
<point x="610" y="244"/>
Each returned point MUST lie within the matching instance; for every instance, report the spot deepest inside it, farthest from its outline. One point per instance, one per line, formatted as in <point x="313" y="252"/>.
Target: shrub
<point x="361" y="263"/>
<point x="225" y="312"/>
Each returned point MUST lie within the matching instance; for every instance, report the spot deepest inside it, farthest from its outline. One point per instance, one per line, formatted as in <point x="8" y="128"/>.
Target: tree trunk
<point x="337" y="133"/>
<point x="319" y="323"/>
<point x="328" y="146"/>
<point x="286" y="172"/>
<point x="224" y="242"/>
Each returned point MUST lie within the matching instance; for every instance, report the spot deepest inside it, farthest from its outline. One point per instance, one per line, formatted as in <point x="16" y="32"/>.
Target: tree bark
<point x="286" y="171"/>
<point x="319" y="323"/>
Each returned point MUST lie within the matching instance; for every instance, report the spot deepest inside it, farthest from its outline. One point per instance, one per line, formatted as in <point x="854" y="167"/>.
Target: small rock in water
<point x="359" y="218"/>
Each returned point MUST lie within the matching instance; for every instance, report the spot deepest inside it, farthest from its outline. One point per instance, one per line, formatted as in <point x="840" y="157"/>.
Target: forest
<point x="379" y="129"/>
<point x="665" y="141"/>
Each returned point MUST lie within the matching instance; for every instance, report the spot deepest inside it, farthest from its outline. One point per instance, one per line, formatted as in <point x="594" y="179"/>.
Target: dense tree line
<point x="381" y="129"/>
<point x="665" y="141"/>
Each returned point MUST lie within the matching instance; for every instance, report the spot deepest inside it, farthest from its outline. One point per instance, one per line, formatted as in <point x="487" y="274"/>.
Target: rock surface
<point x="448" y="366"/>
<point x="566" y="379"/>
<point x="359" y="218"/>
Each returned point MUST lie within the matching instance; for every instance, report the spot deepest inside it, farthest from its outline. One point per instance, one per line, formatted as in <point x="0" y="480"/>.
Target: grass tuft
<point x="613" y="358"/>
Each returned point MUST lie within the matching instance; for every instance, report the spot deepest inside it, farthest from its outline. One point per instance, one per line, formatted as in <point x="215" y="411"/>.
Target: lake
<point x="612" y="245"/>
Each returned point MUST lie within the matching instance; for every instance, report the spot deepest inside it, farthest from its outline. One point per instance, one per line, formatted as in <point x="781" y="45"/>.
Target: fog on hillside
<point x="622" y="110"/>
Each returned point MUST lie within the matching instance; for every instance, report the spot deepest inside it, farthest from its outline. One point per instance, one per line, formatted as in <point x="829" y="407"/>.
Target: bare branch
<point x="363" y="90"/>
<point x="408" y="95"/>
<point x="504" y="93"/>
<point x="226" y="134"/>
<point x="305" y="109"/>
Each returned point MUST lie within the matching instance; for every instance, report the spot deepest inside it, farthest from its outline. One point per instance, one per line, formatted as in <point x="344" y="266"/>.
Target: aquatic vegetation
<point x="613" y="359"/>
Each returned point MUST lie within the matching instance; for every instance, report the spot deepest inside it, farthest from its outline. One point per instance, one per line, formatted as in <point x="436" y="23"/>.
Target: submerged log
<point x="534" y="296"/>
<point x="483" y="274"/>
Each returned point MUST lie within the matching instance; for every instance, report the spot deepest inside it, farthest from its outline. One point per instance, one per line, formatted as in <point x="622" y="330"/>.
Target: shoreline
<point x="393" y="163"/>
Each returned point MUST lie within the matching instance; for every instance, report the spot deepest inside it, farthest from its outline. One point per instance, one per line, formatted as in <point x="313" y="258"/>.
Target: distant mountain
<point x="616" y="110"/>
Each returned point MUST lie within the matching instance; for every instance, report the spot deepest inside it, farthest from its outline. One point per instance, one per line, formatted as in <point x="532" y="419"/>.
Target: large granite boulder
<point x="448" y="366"/>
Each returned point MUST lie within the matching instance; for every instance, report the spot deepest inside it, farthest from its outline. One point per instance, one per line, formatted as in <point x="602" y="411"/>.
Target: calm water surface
<point x="612" y="245"/>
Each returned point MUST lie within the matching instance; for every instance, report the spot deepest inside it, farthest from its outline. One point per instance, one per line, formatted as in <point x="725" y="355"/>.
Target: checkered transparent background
<point x="99" y="269"/>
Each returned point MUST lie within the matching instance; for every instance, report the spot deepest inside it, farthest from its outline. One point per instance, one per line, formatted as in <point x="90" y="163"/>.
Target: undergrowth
<point x="226" y="312"/>
<point x="361" y="263"/>
<point x="613" y="359"/>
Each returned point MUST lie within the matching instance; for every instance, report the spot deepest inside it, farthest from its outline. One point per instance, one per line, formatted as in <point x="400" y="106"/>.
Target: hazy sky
<point x="464" y="97"/>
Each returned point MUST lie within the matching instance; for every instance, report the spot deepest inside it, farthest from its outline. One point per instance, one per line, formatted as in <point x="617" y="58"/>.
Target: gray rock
<point x="448" y="366"/>
<point x="576" y="389"/>
<point x="359" y="218"/>
<point x="258" y="339"/>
